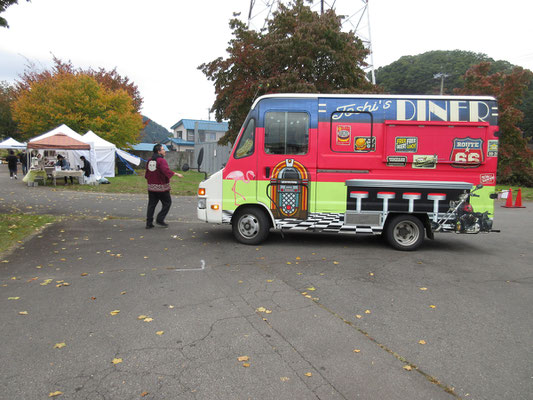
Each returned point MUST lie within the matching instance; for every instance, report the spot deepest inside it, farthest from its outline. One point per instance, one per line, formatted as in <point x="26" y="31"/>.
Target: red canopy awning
<point x="59" y="141"/>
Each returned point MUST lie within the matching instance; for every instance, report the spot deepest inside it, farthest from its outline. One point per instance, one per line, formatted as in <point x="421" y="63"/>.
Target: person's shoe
<point x="149" y="226"/>
<point x="16" y="177"/>
<point x="163" y="224"/>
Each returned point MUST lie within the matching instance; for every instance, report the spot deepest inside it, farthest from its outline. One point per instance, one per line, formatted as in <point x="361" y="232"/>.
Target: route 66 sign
<point x="467" y="152"/>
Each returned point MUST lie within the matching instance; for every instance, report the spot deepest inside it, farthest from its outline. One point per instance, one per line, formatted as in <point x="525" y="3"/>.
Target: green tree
<point x="514" y="158"/>
<point x="4" y="4"/>
<point x="300" y="51"/>
<point x="79" y="101"/>
<point x="416" y="74"/>
<point x="8" y="126"/>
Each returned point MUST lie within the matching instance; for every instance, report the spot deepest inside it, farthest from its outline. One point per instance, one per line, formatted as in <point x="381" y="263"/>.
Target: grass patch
<point x="186" y="186"/>
<point x="527" y="193"/>
<point x="15" y="227"/>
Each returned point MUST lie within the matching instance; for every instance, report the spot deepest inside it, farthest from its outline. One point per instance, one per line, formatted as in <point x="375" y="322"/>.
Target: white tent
<point x="12" y="144"/>
<point x="73" y="156"/>
<point x="105" y="153"/>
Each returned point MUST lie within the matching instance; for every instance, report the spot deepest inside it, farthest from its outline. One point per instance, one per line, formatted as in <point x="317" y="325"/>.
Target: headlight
<point x="201" y="204"/>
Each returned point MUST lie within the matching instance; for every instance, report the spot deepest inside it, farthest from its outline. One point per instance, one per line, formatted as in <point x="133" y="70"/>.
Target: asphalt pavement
<point x="97" y="307"/>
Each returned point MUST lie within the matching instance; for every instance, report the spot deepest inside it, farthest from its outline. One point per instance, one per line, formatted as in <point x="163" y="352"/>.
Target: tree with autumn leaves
<point x="300" y="51"/>
<point x="514" y="158"/>
<point x="101" y="101"/>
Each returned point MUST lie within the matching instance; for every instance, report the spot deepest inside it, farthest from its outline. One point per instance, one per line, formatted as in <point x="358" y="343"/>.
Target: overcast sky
<point x="159" y="44"/>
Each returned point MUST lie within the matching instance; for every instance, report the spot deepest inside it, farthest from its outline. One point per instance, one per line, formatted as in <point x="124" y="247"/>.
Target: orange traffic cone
<point x="509" y="202"/>
<point x="518" y="201"/>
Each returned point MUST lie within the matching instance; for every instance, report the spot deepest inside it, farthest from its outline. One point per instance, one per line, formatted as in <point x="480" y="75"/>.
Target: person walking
<point x="24" y="162"/>
<point x="12" y="161"/>
<point x="87" y="169"/>
<point x="158" y="175"/>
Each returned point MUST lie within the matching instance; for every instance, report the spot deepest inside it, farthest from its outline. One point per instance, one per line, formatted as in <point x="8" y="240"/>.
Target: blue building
<point x="208" y="131"/>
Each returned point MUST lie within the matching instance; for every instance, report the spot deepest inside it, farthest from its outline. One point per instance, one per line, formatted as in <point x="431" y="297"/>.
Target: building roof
<point x="202" y="125"/>
<point x="146" y="147"/>
<point x="179" y="142"/>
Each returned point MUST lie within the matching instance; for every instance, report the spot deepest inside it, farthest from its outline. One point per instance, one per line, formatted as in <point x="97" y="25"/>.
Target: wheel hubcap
<point x="406" y="233"/>
<point x="248" y="226"/>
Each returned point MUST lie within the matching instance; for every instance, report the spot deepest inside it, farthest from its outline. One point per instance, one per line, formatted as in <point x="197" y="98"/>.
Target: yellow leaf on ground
<point x="261" y="309"/>
<point x="116" y="361"/>
<point x="284" y="379"/>
<point x="55" y="394"/>
<point x="408" y="367"/>
<point x="335" y="262"/>
<point x="84" y="274"/>
<point x="59" y="345"/>
<point x="268" y="311"/>
<point x="423" y="288"/>
<point x="243" y="358"/>
<point x="368" y="312"/>
<point x="308" y="374"/>
<point x="311" y="289"/>
<point x="358" y="316"/>
<point x="13" y="298"/>
<point x="23" y="313"/>
<point x="245" y="365"/>
<point x="159" y="333"/>
<point x="432" y="306"/>
<point x="144" y="394"/>
<point x="148" y="319"/>
<point x="114" y="312"/>
<point x="142" y="317"/>
<point x="357" y="351"/>
<point x="269" y="280"/>
<point x="124" y="292"/>
<point x="422" y="342"/>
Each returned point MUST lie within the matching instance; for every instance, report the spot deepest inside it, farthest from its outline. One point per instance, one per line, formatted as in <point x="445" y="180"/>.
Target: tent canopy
<point x="58" y="141"/>
<point x="12" y="144"/>
<point x="64" y="129"/>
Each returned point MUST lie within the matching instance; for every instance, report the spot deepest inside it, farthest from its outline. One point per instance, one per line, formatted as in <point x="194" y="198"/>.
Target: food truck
<point x="400" y="166"/>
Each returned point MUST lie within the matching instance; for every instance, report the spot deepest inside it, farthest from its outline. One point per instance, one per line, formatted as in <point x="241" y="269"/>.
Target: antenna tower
<point x="260" y="12"/>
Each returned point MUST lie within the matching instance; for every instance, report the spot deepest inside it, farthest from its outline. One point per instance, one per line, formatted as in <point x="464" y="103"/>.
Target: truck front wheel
<point x="250" y="226"/>
<point x="405" y="232"/>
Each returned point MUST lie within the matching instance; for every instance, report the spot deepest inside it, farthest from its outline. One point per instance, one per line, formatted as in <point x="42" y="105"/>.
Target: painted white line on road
<point x="202" y="262"/>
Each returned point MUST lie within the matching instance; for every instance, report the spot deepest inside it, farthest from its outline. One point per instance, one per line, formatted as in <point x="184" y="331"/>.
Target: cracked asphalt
<point x="297" y="307"/>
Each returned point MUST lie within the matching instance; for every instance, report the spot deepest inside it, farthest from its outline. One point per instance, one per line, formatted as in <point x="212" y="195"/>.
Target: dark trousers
<point x="153" y="199"/>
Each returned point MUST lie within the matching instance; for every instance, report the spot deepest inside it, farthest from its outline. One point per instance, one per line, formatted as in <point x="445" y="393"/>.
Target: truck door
<point x="287" y="160"/>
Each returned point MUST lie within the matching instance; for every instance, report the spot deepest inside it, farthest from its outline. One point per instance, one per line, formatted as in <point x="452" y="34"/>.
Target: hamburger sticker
<point x="363" y="144"/>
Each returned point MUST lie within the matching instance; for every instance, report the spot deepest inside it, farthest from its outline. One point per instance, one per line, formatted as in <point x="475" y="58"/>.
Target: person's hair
<point x="11" y="152"/>
<point x="157" y="148"/>
<point x="82" y="157"/>
<point x="59" y="156"/>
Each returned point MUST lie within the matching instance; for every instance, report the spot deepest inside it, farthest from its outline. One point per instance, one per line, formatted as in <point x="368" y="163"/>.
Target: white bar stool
<point x="436" y="197"/>
<point x="411" y="197"/>
<point x="359" y="196"/>
<point x="386" y="196"/>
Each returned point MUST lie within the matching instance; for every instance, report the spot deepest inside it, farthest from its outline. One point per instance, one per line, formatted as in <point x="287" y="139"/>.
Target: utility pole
<point x="441" y="76"/>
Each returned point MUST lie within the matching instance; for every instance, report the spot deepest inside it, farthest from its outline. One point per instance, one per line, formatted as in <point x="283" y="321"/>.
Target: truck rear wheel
<point x="250" y="225"/>
<point x="405" y="232"/>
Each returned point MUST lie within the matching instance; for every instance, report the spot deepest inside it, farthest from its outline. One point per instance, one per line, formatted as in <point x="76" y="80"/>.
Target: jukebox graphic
<point x="288" y="190"/>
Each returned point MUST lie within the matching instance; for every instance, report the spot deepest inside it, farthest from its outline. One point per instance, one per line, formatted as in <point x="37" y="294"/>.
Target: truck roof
<point x="369" y="96"/>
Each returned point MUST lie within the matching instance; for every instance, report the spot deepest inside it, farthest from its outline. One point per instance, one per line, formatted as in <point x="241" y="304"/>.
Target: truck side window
<point x="286" y="132"/>
<point x="245" y="147"/>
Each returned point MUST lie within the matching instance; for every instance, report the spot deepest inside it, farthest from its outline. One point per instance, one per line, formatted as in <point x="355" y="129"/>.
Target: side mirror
<point x="479" y="186"/>
<point x="185" y="167"/>
<point x="200" y="158"/>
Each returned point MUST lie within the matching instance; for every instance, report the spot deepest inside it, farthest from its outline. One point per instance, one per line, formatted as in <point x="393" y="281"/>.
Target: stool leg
<point x="435" y="210"/>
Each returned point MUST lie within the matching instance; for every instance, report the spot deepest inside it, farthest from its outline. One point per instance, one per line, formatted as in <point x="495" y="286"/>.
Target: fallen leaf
<point x="335" y="262"/>
<point x="245" y="365"/>
<point x="432" y="306"/>
<point x="422" y="342"/>
<point x="423" y="288"/>
<point x="116" y="361"/>
<point x="243" y="358"/>
<point x="148" y="319"/>
<point x="358" y="316"/>
<point x="144" y="394"/>
<point x="84" y="274"/>
<point x="123" y="292"/>
<point x="23" y="313"/>
<point x="371" y="274"/>
<point x="114" y="312"/>
<point x="59" y="345"/>
<point x="93" y="298"/>
<point x="311" y="289"/>
<point x="170" y="306"/>
<point x="142" y="317"/>
<point x="408" y="367"/>
<point x="261" y="309"/>
<point x="55" y="394"/>
<point x="284" y="379"/>
<point x="270" y="280"/>
<point x="13" y="298"/>
<point x="268" y="311"/>
<point x="368" y="312"/>
<point x="308" y="374"/>
<point x="357" y="351"/>
<point x="159" y="333"/>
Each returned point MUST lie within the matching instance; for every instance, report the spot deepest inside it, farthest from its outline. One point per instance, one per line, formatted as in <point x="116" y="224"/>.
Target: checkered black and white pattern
<point x="317" y="222"/>
<point x="325" y="222"/>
